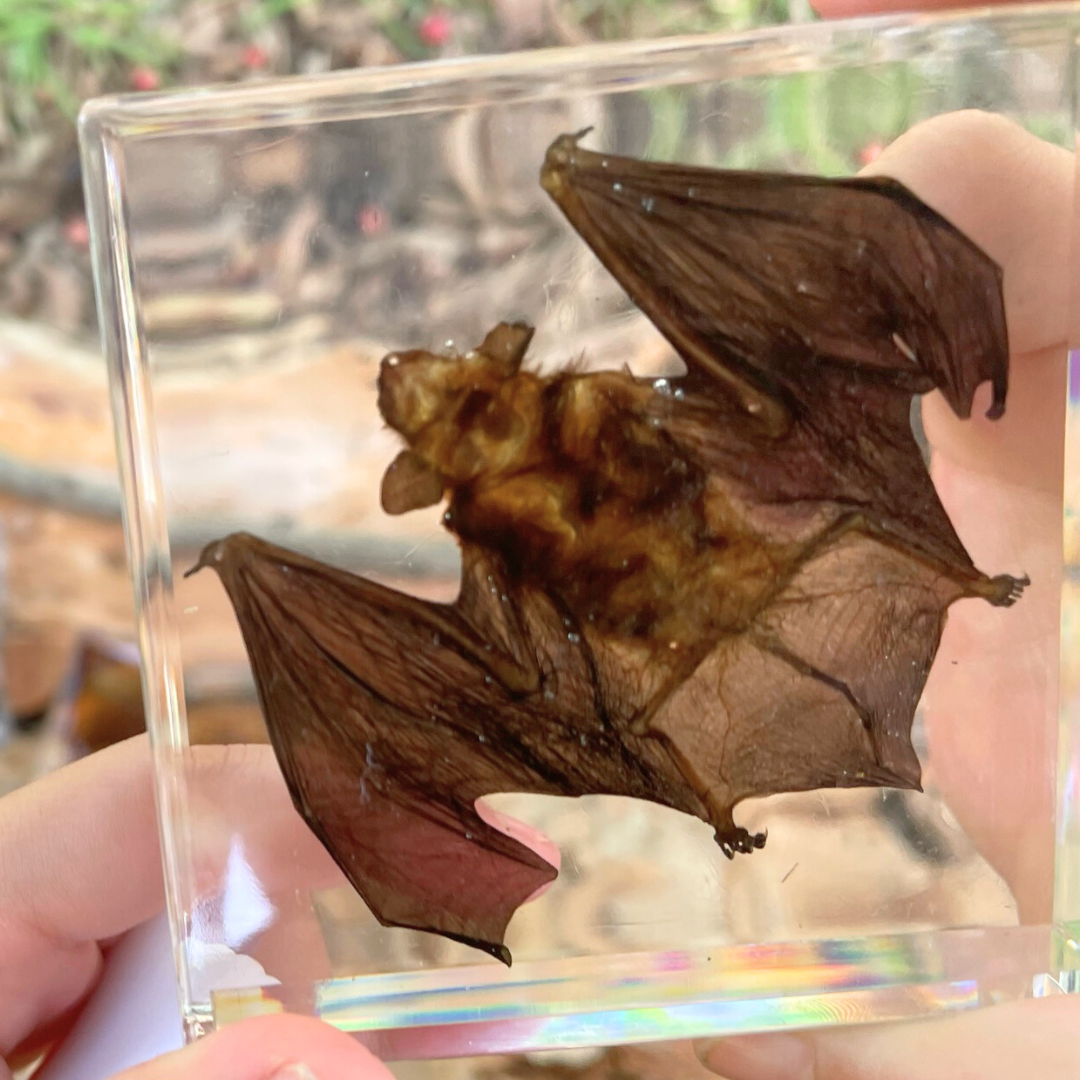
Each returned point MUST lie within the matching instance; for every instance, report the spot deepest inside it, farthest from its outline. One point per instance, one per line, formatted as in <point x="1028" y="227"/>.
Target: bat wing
<point x="390" y="716"/>
<point x="377" y="706"/>
<point x="821" y="689"/>
<point x="762" y="280"/>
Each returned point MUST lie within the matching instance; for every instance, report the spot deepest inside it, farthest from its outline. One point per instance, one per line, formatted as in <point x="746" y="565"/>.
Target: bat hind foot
<point x="1003" y="590"/>
<point x="736" y="839"/>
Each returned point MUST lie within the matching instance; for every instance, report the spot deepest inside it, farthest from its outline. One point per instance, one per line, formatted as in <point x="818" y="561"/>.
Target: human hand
<point x="991" y="712"/>
<point x="80" y="865"/>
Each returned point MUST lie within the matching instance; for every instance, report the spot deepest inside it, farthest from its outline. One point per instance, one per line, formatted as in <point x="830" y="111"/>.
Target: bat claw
<point x="212" y="553"/>
<point x="1004" y="590"/>
<point x="740" y="840"/>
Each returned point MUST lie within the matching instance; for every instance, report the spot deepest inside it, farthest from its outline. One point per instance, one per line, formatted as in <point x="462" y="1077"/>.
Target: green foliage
<point x="48" y="47"/>
<point x="260" y="13"/>
<point x="607" y="19"/>
<point x="822" y="121"/>
<point x="46" y="44"/>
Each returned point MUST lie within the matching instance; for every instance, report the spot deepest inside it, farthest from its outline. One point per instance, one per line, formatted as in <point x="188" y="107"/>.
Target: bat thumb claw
<point x="209" y="556"/>
<point x="559" y="159"/>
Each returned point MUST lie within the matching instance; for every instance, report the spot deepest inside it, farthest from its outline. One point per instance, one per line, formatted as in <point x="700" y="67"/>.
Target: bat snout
<point x="390" y="389"/>
<point x="408" y="391"/>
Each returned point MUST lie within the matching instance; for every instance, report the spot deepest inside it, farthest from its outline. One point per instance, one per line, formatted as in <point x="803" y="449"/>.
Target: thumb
<point x="1023" y="1038"/>
<point x="278" y="1047"/>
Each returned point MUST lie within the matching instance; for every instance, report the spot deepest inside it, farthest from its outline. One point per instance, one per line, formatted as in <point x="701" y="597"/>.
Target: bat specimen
<point x="690" y="590"/>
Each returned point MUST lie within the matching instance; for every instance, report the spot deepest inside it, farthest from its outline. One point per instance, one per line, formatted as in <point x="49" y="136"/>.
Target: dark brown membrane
<point x="690" y="591"/>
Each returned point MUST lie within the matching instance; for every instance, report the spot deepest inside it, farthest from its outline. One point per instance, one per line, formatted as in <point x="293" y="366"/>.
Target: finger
<point x="524" y="834"/>
<point x="1011" y="193"/>
<point x="1026" y="1038"/>
<point x="80" y="863"/>
<point x="990" y="717"/>
<point x="991" y="699"/>
<point x="281" y="1047"/>
<point x="839" y="9"/>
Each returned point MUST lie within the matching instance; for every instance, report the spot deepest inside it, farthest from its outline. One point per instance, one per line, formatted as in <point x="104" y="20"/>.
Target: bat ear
<point x="507" y="345"/>
<point x="410" y="483"/>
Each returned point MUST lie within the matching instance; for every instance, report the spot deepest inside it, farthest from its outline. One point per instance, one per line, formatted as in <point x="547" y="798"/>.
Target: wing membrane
<point x="761" y="280"/>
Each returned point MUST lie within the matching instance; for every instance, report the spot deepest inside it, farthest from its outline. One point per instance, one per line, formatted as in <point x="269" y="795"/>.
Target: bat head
<point x="462" y="416"/>
<point x="418" y="387"/>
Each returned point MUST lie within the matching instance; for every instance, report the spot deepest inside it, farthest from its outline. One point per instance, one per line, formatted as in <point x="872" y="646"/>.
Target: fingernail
<point x="295" y="1071"/>
<point x="759" y="1057"/>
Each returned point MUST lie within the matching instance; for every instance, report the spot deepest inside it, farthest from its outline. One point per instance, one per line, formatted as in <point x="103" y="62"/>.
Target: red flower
<point x="254" y="57"/>
<point x="870" y="152"/>
<point x="144" y="78"/>
<point x="371" y="219"/>
<point x="77" y="231"/>
<point x="435" y="28"/>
